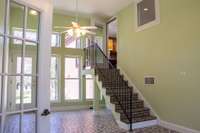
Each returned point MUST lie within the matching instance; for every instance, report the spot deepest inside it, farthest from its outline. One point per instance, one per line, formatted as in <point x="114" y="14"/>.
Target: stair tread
<point x="133" y="101"/>
<point x="139" y="109"/>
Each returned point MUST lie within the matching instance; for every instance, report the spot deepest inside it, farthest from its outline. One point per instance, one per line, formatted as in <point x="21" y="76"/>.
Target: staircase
<point x="128" y="109"/>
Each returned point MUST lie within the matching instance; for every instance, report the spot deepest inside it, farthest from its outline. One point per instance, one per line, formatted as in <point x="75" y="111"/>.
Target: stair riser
<point x="134" y="106"/>
<point x="128" y="102"/>
<point x="109" y="74"/>
<point x="113" y="99"/>
<point x="136" y="115"/>
<point x="118" y="80"/>
<point x="125" y="120"/>
<point x="110" y="85"/>
<point x="109" y="70"/>
<point x="110" y="77"/>
<point x="121" y="92"/>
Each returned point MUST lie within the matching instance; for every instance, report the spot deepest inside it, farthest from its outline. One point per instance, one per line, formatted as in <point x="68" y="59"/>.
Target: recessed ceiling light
<point x="146" y="9"/>
<point x="33" y="12"/>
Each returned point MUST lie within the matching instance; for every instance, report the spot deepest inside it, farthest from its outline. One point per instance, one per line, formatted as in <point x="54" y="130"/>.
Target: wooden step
<point x="113" y="98"/>
<point x="136" y="104"/>
<point x="143" y="112"/>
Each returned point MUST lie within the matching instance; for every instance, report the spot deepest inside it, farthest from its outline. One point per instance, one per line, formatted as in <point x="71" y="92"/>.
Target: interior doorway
<point x="112" y="41"/>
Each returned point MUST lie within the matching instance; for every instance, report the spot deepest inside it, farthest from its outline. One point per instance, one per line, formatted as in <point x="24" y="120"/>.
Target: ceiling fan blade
<point x="89" y="27"/>
<point x="64" y="32"/>
<point x="89" y="32"/>
<point x="62" y="27"/>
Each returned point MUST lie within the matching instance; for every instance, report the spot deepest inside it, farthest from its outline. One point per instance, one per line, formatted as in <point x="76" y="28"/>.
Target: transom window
<point x="72" y="42"/>
<point x="55" y="40"/>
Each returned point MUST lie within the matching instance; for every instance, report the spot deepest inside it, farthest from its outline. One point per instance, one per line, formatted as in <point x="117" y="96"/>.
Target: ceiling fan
<point x="75" y="29"/>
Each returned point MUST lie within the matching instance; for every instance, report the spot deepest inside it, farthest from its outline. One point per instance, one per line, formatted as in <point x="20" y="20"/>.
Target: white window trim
<point x="58" y="78"/>
<point x="150" y="24"/>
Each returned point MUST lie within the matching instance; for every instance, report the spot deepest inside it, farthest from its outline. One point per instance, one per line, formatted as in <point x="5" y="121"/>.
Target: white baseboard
<point x="71" y="108"/>
<point x="145" y="124"/>
<point x="147" y="104"/>
<point x="177" y="128"/>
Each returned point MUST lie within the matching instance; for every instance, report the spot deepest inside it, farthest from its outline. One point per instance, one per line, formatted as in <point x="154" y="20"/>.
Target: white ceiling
<point x="105" y="8"/>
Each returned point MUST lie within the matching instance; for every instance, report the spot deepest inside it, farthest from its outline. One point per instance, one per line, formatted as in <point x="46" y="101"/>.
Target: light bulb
<point x="33" y="12"/>
<point x="83" y="32"/>
<point x="146" y="9"/>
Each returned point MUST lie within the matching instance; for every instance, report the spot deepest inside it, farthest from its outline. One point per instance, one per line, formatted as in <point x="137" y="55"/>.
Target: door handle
<point x="45" y="112"/>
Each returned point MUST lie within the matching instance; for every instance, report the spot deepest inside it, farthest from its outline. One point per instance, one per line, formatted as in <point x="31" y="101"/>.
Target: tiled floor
<point x="84" y="121"/>
<point x="87" y="121"/>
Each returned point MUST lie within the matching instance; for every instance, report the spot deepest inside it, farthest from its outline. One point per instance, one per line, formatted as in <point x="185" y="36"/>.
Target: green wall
<point x="170" y="52"/>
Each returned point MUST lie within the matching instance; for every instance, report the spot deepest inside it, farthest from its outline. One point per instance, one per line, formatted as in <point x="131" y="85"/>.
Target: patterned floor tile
<point x="84" y="121"/>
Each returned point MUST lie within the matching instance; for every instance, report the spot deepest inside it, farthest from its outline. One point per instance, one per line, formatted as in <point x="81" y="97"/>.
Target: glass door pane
<point x="72" y="67"/>
<point x="13" y="87"/>
<point x="29" y="122"/>
<point x="89" y="87"/>
<point x="72" y="78"/>
<point x="0" y="95"/>
<point x="2" y="12"/>
<point x="31" y="52"/>
<point x="12" y="123"/>
<point x="29" y="92"/>
<point x="13" y="49"/>
<point x="72" y="89"/>
<point x="1" y="54"/>
<point x="32" y="25"/>
<point x="16" y="19"/>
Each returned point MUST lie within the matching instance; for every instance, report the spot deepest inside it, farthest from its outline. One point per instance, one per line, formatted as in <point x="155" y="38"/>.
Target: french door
<point x="19" y="49"/>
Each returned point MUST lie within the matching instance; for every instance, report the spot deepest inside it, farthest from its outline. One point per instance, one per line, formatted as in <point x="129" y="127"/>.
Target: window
<point x="147" y="14"/>
<point x="72" y="42"/>
<point x="89" y="87"/>
<point x="54" y="86"/>
<point x="72" y="78"/>
<point x="30" y="34"/>
<point x="99" y="41"/>
<point x="87" y="42"/>
<point x="55" y="40"/>
<point x="27" y="87"/>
